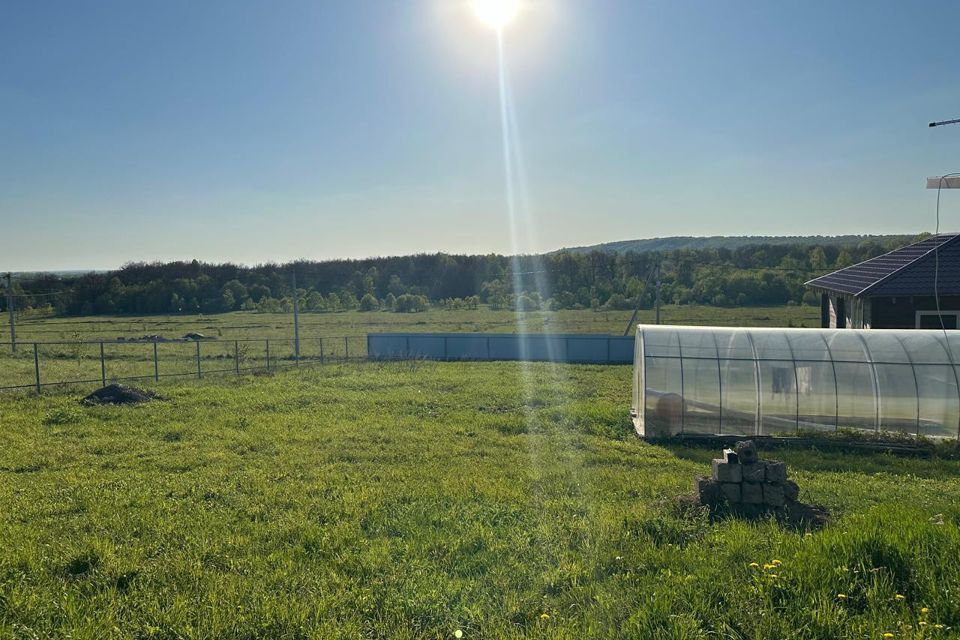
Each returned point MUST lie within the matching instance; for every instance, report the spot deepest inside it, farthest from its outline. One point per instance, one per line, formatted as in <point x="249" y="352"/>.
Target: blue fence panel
<point x="582" y="348"/>
<point x="426" y="343"/>
<point x="621" y="349"/>
<point x="392" y="346"/>
<point x="468" y="347"/>
<point x="589" y="349"/>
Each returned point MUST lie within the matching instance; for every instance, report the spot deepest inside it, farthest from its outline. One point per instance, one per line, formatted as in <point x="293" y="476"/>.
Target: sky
<point x="262" y="131"/>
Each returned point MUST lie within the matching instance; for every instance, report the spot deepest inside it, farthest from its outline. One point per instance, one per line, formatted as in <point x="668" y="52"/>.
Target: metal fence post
<point x="156" y="363"/>
<point x="268" y="354"/>
<point x="36" y="365"/>
<point x="321" y="351"/>
<point x="199" y="371"/>
<point x="236" y="356"/>
<point x="346" y="348"/>
<point x="103" y="367"/>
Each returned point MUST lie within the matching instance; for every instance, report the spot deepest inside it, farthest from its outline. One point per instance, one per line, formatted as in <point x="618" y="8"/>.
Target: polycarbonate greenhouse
<point x="766" y="382"/>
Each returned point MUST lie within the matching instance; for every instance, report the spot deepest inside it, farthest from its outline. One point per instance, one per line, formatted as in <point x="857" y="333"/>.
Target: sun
<point x="496" y="13"/>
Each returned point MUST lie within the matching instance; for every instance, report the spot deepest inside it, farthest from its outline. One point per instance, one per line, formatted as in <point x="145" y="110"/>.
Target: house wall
<point x="901" y="312"/>
<point x="847" y="308"/>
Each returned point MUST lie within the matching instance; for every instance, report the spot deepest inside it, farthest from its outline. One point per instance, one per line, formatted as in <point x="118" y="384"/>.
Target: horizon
<point x="603" y="246"/>
<point x="248" y="133"/>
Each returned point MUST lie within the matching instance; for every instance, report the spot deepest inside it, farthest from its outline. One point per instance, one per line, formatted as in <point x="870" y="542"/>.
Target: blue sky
<point x="256" y="131"/>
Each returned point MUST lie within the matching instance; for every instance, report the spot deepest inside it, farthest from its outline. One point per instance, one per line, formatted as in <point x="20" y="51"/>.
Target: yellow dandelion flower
<point x="767" y="567"/>
<point x="544" y="616"/>
<point x="773" y="576"/>
<point x="777" y="563"/>
<point x="925" y="610"/>
<point x="938" y="626"/>
<point x="754" y="565"/>
<point x="458" y="634"/>
<point x="888" y="635"/>
<point x="842" y="596"/>
<point x="899" y="597"/>
<point x="922" y="623"/>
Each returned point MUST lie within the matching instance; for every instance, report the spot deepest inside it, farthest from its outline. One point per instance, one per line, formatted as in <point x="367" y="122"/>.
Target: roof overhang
<point x="837" y="292"/>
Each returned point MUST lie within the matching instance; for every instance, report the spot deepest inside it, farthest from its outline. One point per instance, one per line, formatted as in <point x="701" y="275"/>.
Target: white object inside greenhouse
<point x="769" y="382"/>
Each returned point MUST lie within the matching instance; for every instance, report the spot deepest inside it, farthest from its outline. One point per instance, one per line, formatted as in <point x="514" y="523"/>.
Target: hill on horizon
<point x="672" y="243"/>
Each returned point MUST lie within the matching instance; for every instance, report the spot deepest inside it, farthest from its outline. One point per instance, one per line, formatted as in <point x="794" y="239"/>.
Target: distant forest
<point x="673" y="243"/>
<point x="762" y="274"/>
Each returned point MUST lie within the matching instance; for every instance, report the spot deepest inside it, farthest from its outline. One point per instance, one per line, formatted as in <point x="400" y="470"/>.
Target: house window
<point x="931" y="320"/>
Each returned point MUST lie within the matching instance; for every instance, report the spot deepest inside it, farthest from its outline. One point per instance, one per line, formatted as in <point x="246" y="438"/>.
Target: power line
<point x="39" y="295"/>
<point x="809" y="271"/>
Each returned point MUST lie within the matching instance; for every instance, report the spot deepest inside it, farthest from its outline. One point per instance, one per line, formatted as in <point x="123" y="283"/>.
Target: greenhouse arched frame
<point x="772" y="381"/>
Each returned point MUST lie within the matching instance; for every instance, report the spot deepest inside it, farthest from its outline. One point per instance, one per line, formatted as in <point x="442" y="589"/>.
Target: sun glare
<point x="496" y="13"/>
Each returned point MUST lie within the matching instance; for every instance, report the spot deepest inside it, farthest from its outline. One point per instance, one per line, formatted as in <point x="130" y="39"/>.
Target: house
<point x="896" y="290"/>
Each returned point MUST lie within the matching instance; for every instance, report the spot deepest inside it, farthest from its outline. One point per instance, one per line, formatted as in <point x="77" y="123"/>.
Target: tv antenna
<point x="944" y="122"/>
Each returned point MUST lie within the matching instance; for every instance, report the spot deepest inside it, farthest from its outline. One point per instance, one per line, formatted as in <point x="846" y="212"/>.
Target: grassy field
<point x="419" y="500"/>
<point x="354" y="323"/>
<point x="342" y="334"/>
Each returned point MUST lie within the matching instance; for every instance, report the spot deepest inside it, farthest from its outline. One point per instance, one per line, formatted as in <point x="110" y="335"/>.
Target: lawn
<point x="241" y="324"/>
<point x="323" y="336"/>
<point x="416" y="500"/>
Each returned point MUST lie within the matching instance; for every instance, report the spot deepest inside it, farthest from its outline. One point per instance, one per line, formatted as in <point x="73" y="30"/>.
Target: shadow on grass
<point x="815" y="459"/>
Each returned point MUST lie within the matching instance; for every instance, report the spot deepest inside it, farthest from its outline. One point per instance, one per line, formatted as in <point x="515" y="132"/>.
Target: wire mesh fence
<point x="39" y="365"/>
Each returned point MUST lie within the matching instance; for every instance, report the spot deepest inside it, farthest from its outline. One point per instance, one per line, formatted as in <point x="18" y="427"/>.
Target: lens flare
<point x="496" y="13"/>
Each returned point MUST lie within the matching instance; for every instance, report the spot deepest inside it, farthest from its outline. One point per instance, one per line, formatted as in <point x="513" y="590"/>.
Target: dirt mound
<point x="118" y="394"/>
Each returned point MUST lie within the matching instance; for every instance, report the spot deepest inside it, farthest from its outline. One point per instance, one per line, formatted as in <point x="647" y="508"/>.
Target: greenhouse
<point x="770" y="382"/>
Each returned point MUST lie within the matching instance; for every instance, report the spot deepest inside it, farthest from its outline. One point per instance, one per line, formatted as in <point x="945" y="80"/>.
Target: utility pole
<point x="658" y="292"/>
<point x="654" y="271"/>
<point x="296" y="315"/>
<point x="13" y="316"/>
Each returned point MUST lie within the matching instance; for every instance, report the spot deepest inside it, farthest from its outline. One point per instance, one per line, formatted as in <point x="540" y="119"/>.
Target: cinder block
<point x="756" y="472"/>
<point x="751" y="493"/>
<point x="773" y="495"/>
<point x="708" y="491"/>
<point x="731" y="491"/>
<point x="730" y="456"/>
<point x="776" y="471"/>
<point x="723" y="471"/>
<point x="747" y="451"/>
<point x="791" y="490"/>
<point x="749" y="511"/>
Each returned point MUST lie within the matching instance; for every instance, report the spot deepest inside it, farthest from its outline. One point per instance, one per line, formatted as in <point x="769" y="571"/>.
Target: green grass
<point x="412" y="500"/>
<point x="355" y="323"/>
<point x="344" y="334"/>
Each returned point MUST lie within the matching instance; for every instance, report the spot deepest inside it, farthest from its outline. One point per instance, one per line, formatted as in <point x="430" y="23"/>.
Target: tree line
<point x="765" y="274"/>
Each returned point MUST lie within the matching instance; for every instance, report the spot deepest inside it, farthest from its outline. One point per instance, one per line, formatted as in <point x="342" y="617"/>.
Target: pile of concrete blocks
<point x="747" y="485"/>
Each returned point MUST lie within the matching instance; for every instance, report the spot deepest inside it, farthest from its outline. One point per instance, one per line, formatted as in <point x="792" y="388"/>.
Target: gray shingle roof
<point x="905" y="271"/>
